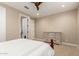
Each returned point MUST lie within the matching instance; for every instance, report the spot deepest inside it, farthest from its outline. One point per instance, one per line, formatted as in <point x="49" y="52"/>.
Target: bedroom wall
<point x="65" y="22"/>
<point x="12" y="22"/>
<point x="32" y="29"/>
<point x="78" y="24"/>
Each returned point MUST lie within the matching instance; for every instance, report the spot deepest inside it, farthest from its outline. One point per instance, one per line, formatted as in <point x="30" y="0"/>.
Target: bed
<point x="25" y="47"/>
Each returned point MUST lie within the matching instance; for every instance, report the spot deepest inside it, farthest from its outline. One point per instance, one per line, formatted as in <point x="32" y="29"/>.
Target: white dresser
<point x="56" y="36"/>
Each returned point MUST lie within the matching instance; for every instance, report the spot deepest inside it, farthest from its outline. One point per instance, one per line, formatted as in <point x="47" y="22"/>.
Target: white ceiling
<point x="46" y="8"/>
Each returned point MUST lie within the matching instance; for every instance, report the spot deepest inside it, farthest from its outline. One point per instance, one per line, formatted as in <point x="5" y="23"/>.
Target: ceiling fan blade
<point x="37" y="4"/>
<point x="26" y="7"/>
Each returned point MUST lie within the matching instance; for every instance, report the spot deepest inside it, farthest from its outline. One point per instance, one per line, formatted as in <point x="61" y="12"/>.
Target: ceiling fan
<point x="37" y="4"/>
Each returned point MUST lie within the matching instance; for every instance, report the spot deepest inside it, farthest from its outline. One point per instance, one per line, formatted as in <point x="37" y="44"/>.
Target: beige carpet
<point x="62" y="50"/>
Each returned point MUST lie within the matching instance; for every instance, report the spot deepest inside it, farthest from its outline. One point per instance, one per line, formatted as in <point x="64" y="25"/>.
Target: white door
<point x="2" y="24"/>
<point x="24" y="27"/>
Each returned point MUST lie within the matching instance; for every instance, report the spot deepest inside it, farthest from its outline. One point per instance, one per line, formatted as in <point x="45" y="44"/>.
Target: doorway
<point x="24" y="27"/>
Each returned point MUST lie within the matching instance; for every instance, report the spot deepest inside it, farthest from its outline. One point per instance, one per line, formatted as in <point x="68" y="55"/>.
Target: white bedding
<point x="25" y="47"/>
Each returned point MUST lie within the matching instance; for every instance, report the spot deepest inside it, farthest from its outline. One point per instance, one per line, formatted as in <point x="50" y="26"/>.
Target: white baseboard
<point x="70" y="44"/>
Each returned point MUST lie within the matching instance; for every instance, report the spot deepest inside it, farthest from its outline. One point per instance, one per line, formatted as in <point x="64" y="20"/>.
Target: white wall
<point x="78" y="24"/>
<point x="2" y="23"/>
<point x="32" y="29"/>
<point x="12" y="23"/>
<point x="65" y="22"/>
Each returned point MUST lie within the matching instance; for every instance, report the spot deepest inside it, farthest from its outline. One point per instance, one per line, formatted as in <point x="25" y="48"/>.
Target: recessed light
<point x="37" y="14"/>
<point x="62" y="6"/>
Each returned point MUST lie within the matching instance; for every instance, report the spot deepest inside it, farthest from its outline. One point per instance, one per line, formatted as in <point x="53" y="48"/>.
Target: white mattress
<point x="25" y="47"/>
